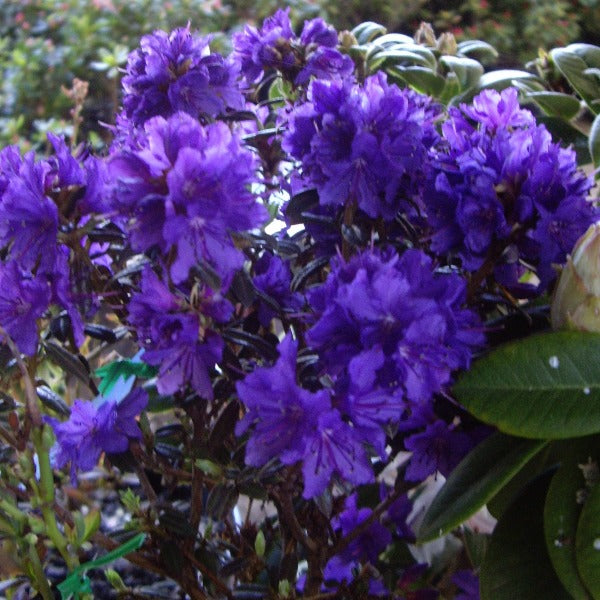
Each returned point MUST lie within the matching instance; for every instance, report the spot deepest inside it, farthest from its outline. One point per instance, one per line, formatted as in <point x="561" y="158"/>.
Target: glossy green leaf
<point x="399" y="55"/>
<point x="561" y="514"/>
<point x="546" y="386"/>
<point x="368" y="31"/>
<point x="475" y="481"/>
<point x="422" y="79"/>
<point x="572" y="65"/>
<point x="556" y="104"/>
<point x="516" y="565"/>
<point x="477" y="48"/>
<point x="594" y="141"/>
<point x="502" y="78"/>
<point x="467" y="70"/>
<point x="587" y="542"/>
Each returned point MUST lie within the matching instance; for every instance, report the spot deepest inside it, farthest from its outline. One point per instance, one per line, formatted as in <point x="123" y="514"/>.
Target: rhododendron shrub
<point x="264" y="293"/>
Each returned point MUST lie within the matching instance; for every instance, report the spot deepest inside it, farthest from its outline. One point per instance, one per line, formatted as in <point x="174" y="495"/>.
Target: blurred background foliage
<point x="46" y="44"/>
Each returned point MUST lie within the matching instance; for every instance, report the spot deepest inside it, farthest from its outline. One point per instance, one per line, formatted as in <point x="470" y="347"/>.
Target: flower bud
<point x="576" y="303"/>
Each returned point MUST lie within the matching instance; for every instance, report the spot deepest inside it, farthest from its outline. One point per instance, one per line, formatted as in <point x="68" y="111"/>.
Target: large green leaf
<point x="573" y="64"/>
<point x="475" y="480"/>
<point x="561" y="514"/>
<point x="516" y="565"/>
<point x="556" y="104"/>
<point x="546" y="386"/>
<point x="467" y="70"/>
<point x="587" y="543"/>
<point x="422" y="79"/>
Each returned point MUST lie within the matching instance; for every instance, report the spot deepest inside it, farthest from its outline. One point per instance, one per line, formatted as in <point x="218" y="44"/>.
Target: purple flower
<point x="365" y="548"/>
<point x="168" y="327"/>
<point x="28" y="217"/>
<point x="96" y="427"/>
<point x="282" y="414"/>
<point x="501" y="190"/>
<point x="275" y="46"/>
<point x="438" y="448"/>
<point x="176" y="72"/>
<point x="185" y="189"/>
<point x="389" y="322"/>
<point x="23" y="299"/>
<point x="292" y="424"/>
<point x="363" y="144"/>
<point x="468" y="585"/>
<point x="273" y="278"/>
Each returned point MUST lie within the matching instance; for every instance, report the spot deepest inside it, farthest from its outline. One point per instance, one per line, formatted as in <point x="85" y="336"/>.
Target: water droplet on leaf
<point x="554" y="362"/>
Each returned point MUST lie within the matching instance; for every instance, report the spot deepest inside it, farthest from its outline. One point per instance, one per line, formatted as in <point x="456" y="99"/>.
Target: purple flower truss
<point x="390" y="332"/>
<point x="185" y="189"/>
<point x="365" y="548"/>
<point x="96" y="427"/>
<point x="176" y="71"/>
<point x="501" y="190"/>
<point x="176" y="333"/>
<point x="23" y="299"/>
<point x="364" y="144"/>
<point x="275" y="46"/>
<point x="273" y="279"/>
<point x="294" y="425"/>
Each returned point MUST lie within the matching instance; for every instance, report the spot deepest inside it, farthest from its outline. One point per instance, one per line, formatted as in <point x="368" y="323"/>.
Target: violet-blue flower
<point x="364" y="548"/>
<point x="169" y="328"/>
<point x="28" y="217"/>
<point x="390" y="322"/>
<point x="186" y="189"/>
<point x="363" y="144"/>
<point x="96" y="427"/>
<point x="295" y="425"/>
<point x="23" y="299"/>
<point x="275" y="46"/>
<point x="175" y="71"/>
<point x="502" y="191"/>
<point x="273" y="278"/>
<point x="282" y="414"/>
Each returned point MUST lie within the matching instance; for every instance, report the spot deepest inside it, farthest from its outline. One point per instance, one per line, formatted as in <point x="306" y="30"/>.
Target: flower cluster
<point x="502" y="191"/>
<point x="95" y="427"/>
<point x="275" y="46"/>
<point x="363" y="144"/>
<point x="184" y="190"/>
<point x="176" y="335"/>
<point x="295" y="425"/>
<point x="39" y="268"/>
<point x="177" y="72"/>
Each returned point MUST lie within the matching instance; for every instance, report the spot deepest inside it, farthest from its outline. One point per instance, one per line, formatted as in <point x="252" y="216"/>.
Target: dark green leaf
<point x="556" y="104"/>
<point x="516" y="564"/>
<point x="70" y="363"/>
<point x="252" y="341"/>
<point x="467" y="70"/>
<point x="478" y="49"/>
<point x="422" y="79"/>
<point x="475" y="481"/>
<point x="572" y="65"/>
<point x="220" y="501"/>
<point x="368" y="31"/>
<point x="594" y="142"/>
<point x="502" y="78"/>
<point x="546" y="386"/>
<point x="562" y="510"/>
<point x="587" y="542"/>
<point x="52" y="400"/>
<point x="314" y="266"/>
